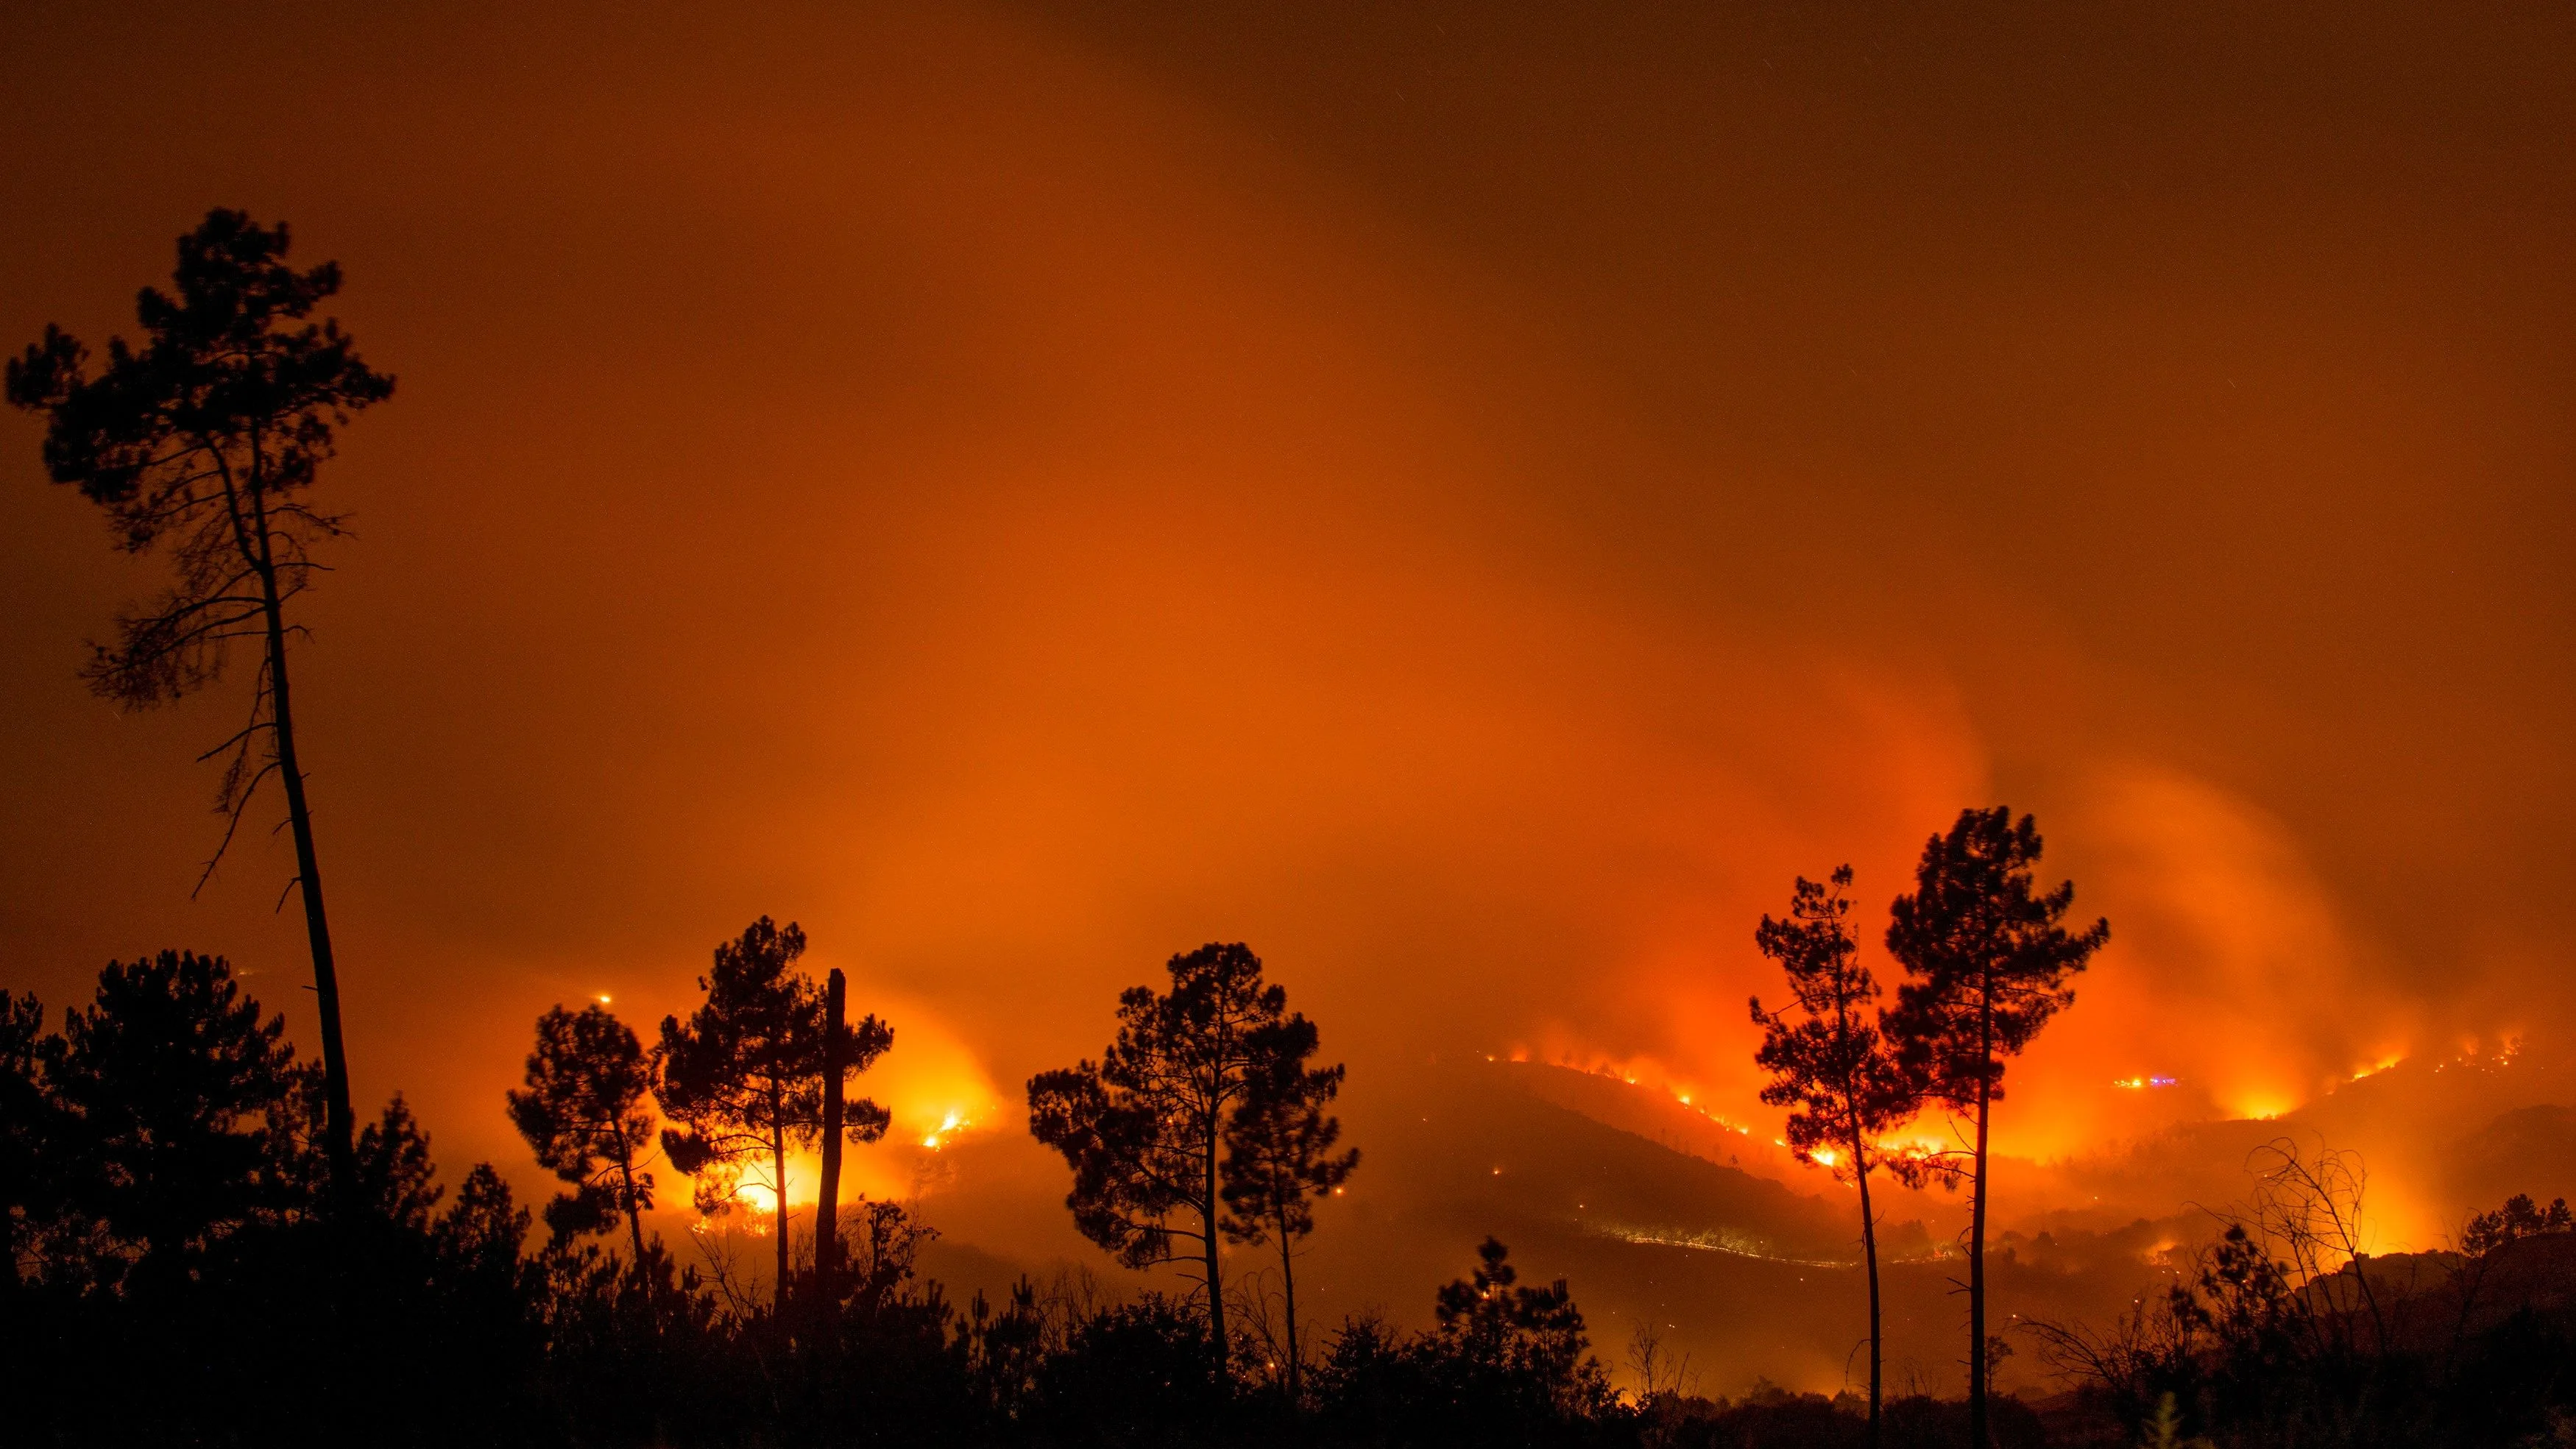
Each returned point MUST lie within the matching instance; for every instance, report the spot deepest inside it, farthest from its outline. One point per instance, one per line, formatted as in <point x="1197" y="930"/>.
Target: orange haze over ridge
<point x="1471" y="508"/>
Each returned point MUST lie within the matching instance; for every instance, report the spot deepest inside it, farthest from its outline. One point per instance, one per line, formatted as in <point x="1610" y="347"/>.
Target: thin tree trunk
<point x="1215" y="1286"/>
<point x="1288" y="1285"/>
<point x="634" y="1215"/>
<point x="339" y="1124"/>
<point x="778" y="1219"/>
<point x="1869" y="1256"/>
<point x="827" y="1200"/>
<point x="1977" y="1229"/>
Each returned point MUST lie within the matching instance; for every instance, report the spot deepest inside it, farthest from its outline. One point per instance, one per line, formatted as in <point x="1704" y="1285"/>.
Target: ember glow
<point x="759" y="1202"/>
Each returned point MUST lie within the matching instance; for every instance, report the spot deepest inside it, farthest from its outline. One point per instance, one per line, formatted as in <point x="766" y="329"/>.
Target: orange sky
<point x="1471" y="503"/>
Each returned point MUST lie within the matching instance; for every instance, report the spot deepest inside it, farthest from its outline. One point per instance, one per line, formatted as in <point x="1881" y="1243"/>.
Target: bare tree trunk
<point x="778" y="1182"/>
<point x="339" y="1124"/>
<point x="827" y="1201"/>
<point x="1977" y="1228"/>
<point x="634" y="1215"/>
<point x="1215" y="1286"/>
<point x="1869" y="1256"/>
<point x="1288" y="1286"/>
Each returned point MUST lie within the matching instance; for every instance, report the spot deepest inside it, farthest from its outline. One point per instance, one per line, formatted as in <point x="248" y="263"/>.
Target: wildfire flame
<point x="761" y="1199"/>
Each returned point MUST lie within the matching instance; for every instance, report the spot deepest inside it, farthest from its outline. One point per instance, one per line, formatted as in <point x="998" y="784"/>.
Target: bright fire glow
<point x="947" y="1125"/>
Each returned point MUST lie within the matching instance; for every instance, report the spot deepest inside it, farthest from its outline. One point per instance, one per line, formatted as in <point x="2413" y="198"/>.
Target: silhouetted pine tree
<point x="168" y="1080"/>
<point x="1987" y="965"/>
<point x="1280" y="1160"/>
<point x="742" y="1077"/>
<point x="582" y="1110"/>
<point x="1531" y="1337"/>
<point x="208" y="441"/>
<point x="1144" y="1129"/>
<point x="847" y="1051"/>
<point x="1829" y="1066"/>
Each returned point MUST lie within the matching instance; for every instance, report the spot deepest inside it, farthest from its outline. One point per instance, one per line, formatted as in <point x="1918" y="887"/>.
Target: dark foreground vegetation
<point x="183" y="1275"/>
<point x="185" y="1272"/>
<point x="2285" y="1334"/>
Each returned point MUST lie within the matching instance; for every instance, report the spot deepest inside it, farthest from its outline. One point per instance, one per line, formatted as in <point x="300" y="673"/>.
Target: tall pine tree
<point x="206" y="442"/>
<point x="1144" y="1129"/>
<point x="1280" y="1161"/>
<point x="1987" y="965"/>
<point x="1829" y="1065"/>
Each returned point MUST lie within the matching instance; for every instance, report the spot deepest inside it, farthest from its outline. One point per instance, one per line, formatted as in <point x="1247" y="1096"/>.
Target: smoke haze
<point x="1472" y="504"/>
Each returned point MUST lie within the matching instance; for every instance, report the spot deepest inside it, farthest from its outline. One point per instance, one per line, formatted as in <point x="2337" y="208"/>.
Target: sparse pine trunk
<point x="1976" y="937"/>
<point x="1288" y="1288"/>
<point x="338" y="1125"/>
<point x="778" y="1217"/>
<point x="1977" y="1224"/>
<point x="634" y="1215"/>
<point x="1869" y="1257"/>
<point x="827" y="1200"/>
<point x="1215" y="1286"/>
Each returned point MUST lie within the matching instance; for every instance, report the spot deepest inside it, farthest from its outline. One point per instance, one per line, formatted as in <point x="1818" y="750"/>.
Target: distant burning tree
<point x="1829" y="1065"/>
<point x="1987" y="965"/>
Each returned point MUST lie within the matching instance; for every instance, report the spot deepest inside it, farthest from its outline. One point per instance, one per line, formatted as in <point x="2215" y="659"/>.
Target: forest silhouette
<point x="207" y="1247"/>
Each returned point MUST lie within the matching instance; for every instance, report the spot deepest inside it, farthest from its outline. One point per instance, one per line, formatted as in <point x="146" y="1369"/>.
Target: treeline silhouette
<point x="185" y="1273"/>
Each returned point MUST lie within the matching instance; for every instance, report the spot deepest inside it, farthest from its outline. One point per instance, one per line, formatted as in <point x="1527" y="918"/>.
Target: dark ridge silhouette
<point x="2273" y="1338"/>
<point x="1567" y="1155"/>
